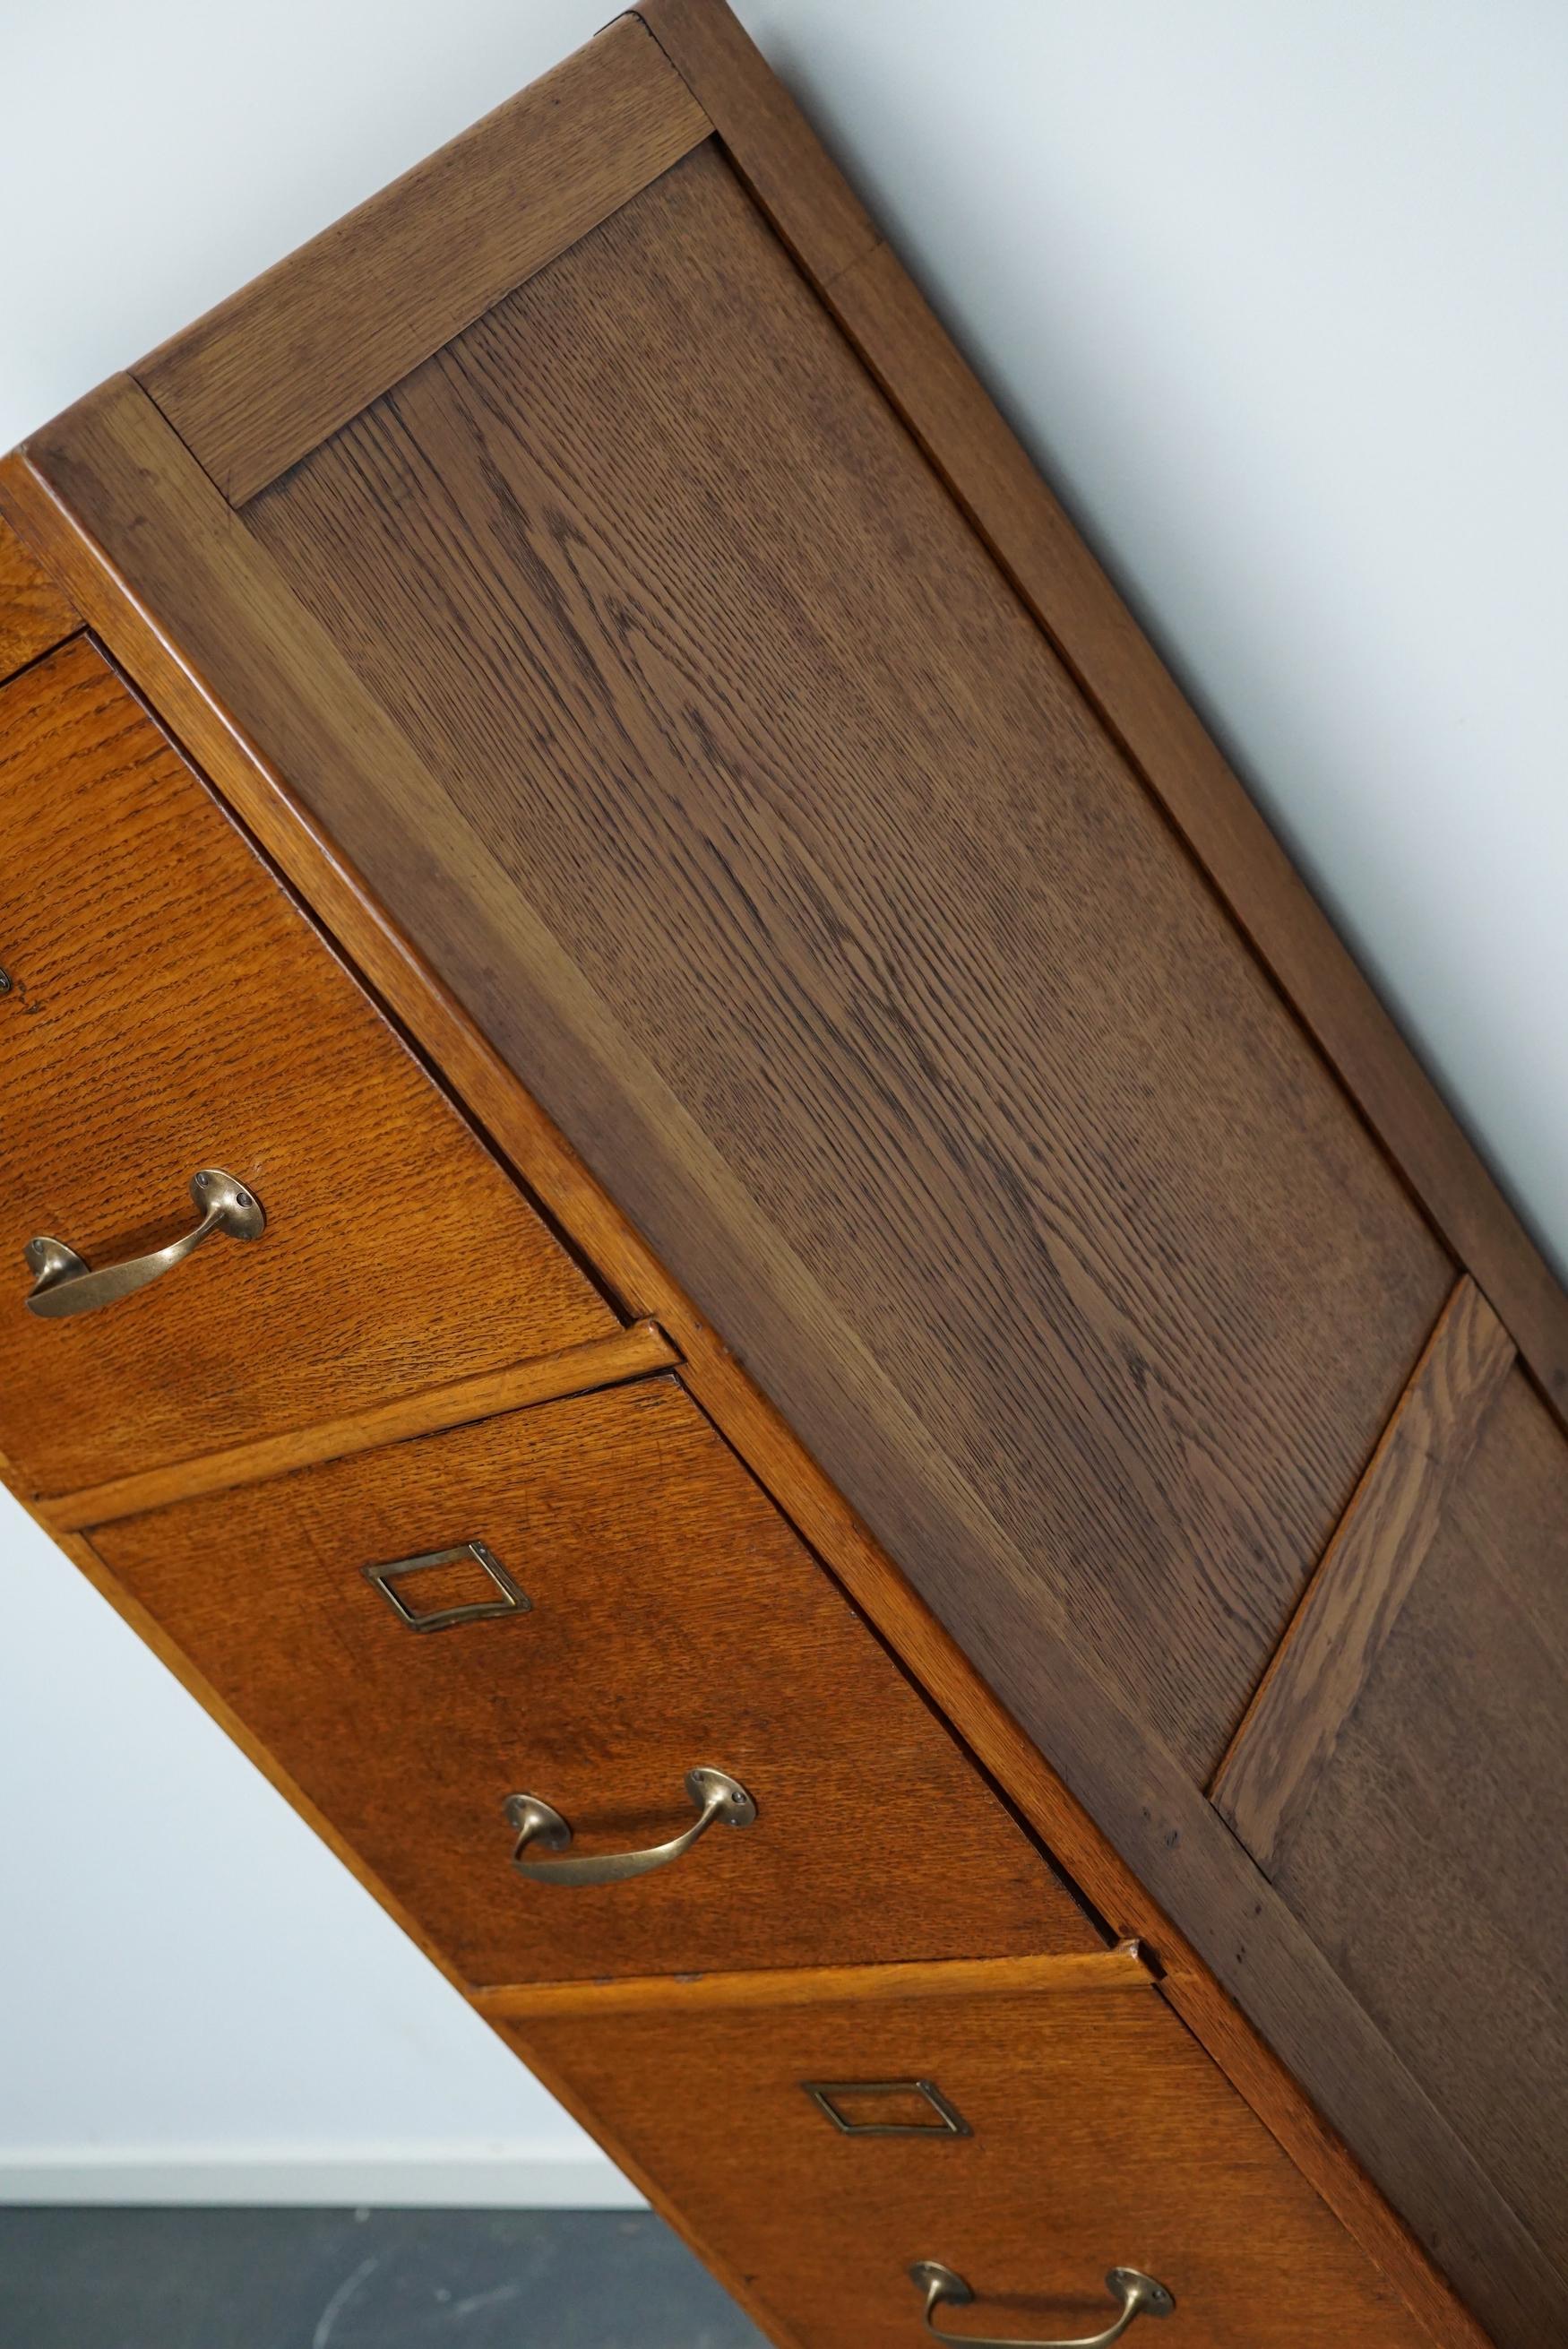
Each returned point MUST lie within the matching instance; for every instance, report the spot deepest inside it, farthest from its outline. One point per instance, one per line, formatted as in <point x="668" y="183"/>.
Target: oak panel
<point x="170" y="1009"/>
<point x="34" y="615"/>
<point x="1353" y="1605"/>
<point x="1429" y="1863"/>
<point x="859" y="277"/>
<point x="675" y="1621"/>
<point x="269" y="373"/>
<point x="712" y="668"/>
<point x="1101" y="2134"/>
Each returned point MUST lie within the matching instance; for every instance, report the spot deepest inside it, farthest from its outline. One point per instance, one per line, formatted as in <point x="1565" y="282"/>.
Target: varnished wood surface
<point x="920" y="1003"/>
<point x="697" y="1995"/>
<point x="1308" y="2012"/>
<point x="271" y="372"/>
<point x="172" y="1008"/>
<point x="859" y="277"/>
<point x="810" y="206"/>
<point x="1101" y="2134"/>
<point x="118" y="500"/>
<point x="578" y="1370"/>
<point x="34" y="615"/>
<point x="676" y="1621"/>
<point x="1352" y="1607"/>
<point x="1429" y="1863"/>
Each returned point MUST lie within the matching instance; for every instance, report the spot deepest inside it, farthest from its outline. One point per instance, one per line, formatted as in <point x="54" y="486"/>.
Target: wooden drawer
<point x="1095" y="2133"/>
<point x="172" y="1008"/>
<point x="675" y="1621"/>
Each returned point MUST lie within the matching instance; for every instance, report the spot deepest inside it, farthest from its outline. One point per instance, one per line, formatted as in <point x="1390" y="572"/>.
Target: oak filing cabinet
<point x="713" y="1240"/>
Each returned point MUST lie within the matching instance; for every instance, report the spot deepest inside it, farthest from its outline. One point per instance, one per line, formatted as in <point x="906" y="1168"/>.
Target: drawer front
<point x="1028" y="2134"/>
<point x="673" y="1622"/>
<point x="172" y="1008"/>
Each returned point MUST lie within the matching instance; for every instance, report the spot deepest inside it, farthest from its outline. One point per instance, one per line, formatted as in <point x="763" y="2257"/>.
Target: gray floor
<point x="146" y="2278"/>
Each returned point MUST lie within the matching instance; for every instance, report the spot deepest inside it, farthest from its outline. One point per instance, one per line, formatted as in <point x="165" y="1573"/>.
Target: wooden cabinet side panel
<point x="258" y="382"/>
<point x="1428" y="1857"/>
<point x="1352" y="1609"/>
<point x="859" y="277"/>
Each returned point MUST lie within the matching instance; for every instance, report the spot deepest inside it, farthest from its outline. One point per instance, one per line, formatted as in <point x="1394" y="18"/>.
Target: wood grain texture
<point x="698" y="1995"/>
<point x="677" y="1620"/>
<point x="130" y="464"/>
<point x="260" y="380"/>
<point x="1429" y="1863"/>
<point x="137" y="1050"/>
<point x="811" y="206"/>
<point x="578" y="1369"/>
<point x="34" y="615"/>
<point x="1101" y="2133"/>
<point x="956" y="1039"/>
<point x="1352" y="1605"/>
<point x="861" y="280"/>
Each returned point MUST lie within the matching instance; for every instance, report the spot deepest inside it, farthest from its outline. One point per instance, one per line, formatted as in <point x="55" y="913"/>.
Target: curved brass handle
<point x="720" y="1800"/>
<point x="64" y="1284"/>
<point x="1139" y="2294"/>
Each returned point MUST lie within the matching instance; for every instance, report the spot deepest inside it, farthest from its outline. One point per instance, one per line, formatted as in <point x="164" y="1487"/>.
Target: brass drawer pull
<point x="719" y="1800"/>
<point x="1139" y="2294"/>
<point x="64" y="1284"/>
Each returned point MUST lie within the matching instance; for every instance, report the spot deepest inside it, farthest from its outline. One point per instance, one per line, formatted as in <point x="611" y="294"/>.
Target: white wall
<point x="1277" y="294"/>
